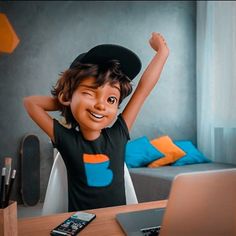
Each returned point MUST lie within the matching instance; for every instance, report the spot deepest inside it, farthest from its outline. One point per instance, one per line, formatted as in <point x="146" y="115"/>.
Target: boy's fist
<point x="158" y="43"/>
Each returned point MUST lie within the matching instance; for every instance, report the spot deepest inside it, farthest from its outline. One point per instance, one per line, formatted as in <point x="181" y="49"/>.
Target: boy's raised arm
<point x="38" y="107"/>
<point x="148" y="80"/>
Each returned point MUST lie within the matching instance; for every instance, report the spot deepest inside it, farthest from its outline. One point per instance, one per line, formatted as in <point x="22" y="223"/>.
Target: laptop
<point x="200" y="204"/>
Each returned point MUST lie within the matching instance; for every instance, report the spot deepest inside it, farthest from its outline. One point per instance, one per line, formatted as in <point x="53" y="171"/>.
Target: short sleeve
<point x="62" y="135"/>
<point x="120" y="128"/>
<point x="119" y="131"/>
<point x="56" y="132"/>
<point x="122" y="122"/>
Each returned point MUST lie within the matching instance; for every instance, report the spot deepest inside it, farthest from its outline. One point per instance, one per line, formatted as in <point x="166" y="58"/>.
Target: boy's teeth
<point x="96" y="115"/>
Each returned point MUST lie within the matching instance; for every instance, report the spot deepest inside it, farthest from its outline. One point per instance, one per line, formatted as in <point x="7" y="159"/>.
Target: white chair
<point x="56" y="198"/>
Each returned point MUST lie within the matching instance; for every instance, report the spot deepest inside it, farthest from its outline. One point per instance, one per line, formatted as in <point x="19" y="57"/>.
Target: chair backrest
<point x="56" y="198"/>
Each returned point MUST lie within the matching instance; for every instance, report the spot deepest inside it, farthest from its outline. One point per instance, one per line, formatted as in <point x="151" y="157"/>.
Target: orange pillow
<point x="172" y="152"/>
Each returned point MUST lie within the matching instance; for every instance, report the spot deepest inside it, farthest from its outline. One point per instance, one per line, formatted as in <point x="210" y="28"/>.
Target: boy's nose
<point x="100" y="106"/>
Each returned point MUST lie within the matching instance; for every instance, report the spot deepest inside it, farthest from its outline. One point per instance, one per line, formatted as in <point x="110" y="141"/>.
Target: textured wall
<point x="52" y="34"/>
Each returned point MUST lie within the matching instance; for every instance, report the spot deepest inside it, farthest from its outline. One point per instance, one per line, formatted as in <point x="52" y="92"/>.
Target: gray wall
<point x="52" y="34"/>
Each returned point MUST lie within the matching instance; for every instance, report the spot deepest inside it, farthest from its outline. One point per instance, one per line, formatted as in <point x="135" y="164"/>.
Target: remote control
<point x="74" y="224"/>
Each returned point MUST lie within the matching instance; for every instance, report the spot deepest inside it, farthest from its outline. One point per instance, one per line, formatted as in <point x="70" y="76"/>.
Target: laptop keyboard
<point x="152" y="231"/>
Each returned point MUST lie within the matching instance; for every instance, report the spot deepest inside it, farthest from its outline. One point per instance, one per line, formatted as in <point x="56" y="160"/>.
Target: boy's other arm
<point x="148" y="80"/>
<point x="38" y="107"/>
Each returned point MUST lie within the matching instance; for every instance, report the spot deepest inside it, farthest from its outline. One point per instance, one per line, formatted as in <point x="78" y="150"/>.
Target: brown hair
<point x="70" y="79"/>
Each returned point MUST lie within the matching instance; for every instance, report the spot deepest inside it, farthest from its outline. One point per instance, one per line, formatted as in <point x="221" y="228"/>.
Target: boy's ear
<point x="62" y="100"/>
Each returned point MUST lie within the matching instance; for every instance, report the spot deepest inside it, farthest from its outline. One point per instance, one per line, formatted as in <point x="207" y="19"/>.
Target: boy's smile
<point x="94" y="108"/>
<point x="97" y="115"/>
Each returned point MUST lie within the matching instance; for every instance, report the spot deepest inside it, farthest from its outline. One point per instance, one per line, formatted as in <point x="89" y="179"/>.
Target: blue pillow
<point x="193" y="155"/>
<point x="140" y="152"/>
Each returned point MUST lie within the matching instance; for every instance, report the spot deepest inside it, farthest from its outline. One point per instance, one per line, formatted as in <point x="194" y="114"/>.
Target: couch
<point x="154" y="183"/>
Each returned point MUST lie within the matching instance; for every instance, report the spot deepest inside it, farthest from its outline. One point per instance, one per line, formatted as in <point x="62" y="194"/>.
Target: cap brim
<point x="129" y="61"/>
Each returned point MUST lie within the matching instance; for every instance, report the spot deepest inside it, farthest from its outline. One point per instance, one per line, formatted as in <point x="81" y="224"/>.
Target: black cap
<point x="129" y="61"/>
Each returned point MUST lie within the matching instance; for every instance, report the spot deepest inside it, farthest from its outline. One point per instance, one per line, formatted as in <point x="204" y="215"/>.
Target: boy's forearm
<point x="152" y="73"/>
<point x="38" y="107"/>
<point x="47" y="103"/>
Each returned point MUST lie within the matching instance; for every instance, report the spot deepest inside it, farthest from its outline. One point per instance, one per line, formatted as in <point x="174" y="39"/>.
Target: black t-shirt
<point x="95" y="169"/>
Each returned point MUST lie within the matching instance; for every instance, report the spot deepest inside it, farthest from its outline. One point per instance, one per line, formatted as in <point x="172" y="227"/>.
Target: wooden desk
<point x="103" y="225"/>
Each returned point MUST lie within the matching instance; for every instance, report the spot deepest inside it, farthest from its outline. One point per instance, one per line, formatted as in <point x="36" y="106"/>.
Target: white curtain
<point x="216" y="80"/>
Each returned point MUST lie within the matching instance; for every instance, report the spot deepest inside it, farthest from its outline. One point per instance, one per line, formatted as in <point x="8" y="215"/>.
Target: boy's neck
<point x="90" y="135"/>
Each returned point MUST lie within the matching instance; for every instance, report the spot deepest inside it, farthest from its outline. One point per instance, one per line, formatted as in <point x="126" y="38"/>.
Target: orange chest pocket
<point x="97" y="170"/>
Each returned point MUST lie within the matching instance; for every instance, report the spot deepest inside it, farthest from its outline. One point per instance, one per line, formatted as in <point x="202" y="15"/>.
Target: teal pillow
<point x="193" y="155"/>
<point x="140" y="152"/>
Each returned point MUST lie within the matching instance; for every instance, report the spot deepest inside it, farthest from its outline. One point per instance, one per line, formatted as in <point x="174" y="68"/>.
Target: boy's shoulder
<point x="119" y="127"/>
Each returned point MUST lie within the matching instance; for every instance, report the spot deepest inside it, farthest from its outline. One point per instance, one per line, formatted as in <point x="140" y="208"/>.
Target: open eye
<point x="112" y="100"/>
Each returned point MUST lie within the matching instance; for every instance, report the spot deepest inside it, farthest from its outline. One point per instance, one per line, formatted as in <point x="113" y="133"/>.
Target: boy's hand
<point x="158" y="43"/>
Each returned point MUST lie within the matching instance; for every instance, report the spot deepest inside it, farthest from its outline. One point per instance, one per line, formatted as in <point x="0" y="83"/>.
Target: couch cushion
<point x="140" y="152"/>
<point x="193" y="155"/>
<point x="172" y="152"/>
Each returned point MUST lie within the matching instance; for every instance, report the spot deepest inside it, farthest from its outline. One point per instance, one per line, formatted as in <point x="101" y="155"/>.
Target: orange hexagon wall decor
<point x="8" y="37"/>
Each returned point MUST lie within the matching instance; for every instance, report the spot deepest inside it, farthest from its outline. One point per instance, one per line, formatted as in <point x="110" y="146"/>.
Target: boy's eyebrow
<point x="95" y="86"/>
<point x="88" y="86"/>
<point x="114" y="86"/>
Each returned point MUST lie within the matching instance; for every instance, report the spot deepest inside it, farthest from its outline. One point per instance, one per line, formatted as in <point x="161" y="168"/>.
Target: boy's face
<point x="94" y="108"/>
